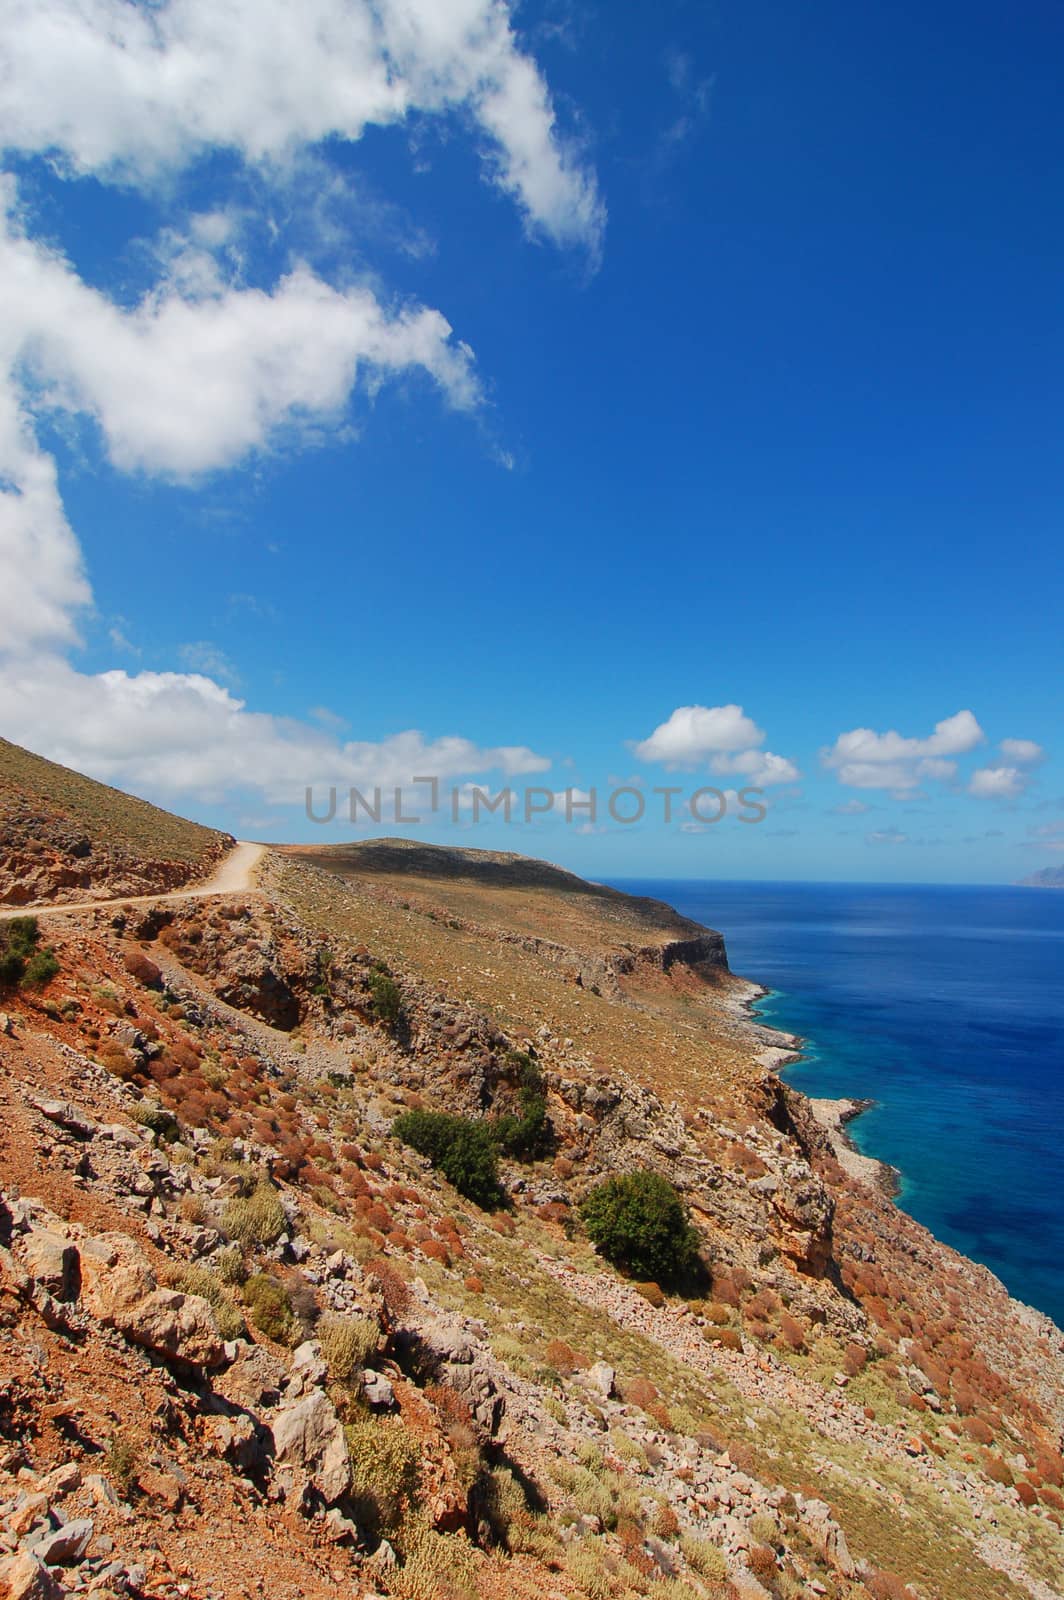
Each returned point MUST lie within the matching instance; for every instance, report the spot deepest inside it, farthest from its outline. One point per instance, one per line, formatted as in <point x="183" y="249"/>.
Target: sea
<point x="945" y="1007"/>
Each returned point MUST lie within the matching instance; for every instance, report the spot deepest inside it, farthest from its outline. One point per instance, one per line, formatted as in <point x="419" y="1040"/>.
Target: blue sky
<point x="606" y="393"/>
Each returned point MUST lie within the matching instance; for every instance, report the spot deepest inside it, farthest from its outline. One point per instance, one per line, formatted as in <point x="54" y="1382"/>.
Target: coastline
<point x="783" y="1050"/>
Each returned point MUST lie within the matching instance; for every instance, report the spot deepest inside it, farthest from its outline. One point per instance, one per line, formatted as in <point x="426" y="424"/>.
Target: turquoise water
<point x="945" y="1006"/>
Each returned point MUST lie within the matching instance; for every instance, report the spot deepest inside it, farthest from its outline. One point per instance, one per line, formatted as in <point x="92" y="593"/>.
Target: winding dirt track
<point x="234" y="875"/>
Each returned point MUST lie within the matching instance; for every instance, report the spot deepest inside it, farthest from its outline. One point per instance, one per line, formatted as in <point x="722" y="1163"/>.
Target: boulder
<point x="308" y="1437"/>
<point x="254" y="1379"/>
<point x="65" y="1545"/>
<point x="180" y="1326"/>
<point x="53" y="1262"/>
<point x="600" y="1375"/>
<point x="67" y="1117"/>
<point x="24" y="1577"/>
<point x="826" y="1537"/>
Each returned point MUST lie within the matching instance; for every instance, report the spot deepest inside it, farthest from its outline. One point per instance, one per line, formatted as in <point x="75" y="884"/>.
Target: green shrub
<point x="528" y="1135"/>
<point x="638" y="1221"/>
<point x="463" y="1149"/>
<point x="270" y="1307"/>
<point x="41" y="968"/>
<point x="21" y="961"/>
<point x="386" y="998"/>
<point x="258" y="1219"/>
<point x="122" y="1460"/>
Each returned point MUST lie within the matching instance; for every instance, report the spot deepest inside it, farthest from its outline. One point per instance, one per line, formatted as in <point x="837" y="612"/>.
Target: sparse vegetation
<point x="638" y="1221"/>
<point x="190" y="1277"/>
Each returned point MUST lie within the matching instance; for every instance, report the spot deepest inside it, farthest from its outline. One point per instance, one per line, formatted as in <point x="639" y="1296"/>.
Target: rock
<point x="160" y="1486"/>
<point x="101" y="1489"/>
<point x="180" y="1326"/>
<point x="7" y="1027"/>
<point x="826" y="1537"/>
<point x="33" y="1509"/>
<point x="600" y="1375"/>
<point x="241" y="1440"/>
<point x="747" y="1587"/>
<point x="61" y="1480"/>
<point x="308" y="1437"/>
<point x="255" y="1379"/>
<point x="53" y="1262"/>
<point x="64" y="1546"/>
<point x="308" y="1366"/>
<point x="67" y="1117"/>
<point x="377" y="1389"/>
<point x="24" y="1577"/>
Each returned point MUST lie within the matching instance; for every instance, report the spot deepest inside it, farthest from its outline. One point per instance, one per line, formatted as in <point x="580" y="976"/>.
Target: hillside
<point x="252" y="1342"/>
<point x="66" y="837"/>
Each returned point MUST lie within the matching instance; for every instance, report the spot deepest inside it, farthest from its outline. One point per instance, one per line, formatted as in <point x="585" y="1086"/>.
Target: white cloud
<point x="887" y="836"/>
<point x="997" y="783"/>
<point x="850" y="808"/>
<point x="865" y="759"/>
<point x="134" y="92"/>
<point x="171" y="734"/>
<point x="760" y="767"/>
<point x="724" y="737"/>
<point x="193" y="379"/>
<point x="1022" y="751"/>
<point x="204" y="371"/>
<point x="693" y="733"/>
<point x="181" y="383"/>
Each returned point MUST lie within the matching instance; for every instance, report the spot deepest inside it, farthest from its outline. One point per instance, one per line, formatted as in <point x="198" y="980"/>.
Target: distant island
<point x="1044" y="878"/>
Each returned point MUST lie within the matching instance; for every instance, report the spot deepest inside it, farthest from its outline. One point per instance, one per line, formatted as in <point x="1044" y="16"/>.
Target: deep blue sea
<point x="945" y="1006"/>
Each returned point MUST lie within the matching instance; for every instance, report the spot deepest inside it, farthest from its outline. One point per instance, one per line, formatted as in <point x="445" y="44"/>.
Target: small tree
<point x="386" y="998"/>
<point x="638" y="1221"/>
<point x="462" y="1148"/>
<point x="528" y="1135"/>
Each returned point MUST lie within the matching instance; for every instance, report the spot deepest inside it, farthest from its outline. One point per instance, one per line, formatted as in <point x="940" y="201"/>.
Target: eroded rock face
<point x="309" y="1439"/>
<point x="804" y="1211"/>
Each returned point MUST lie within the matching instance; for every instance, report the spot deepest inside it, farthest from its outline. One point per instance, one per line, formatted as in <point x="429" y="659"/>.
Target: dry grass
<point x="107" y="817"/>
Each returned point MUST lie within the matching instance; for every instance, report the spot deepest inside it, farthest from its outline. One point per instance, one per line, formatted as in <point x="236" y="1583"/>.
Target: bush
<point x="41" y="968"/>
<point x="269" y="1307"/>
<point x="462" y="1148"/>
<point x="122" y="1460"/>
<point x="385" y="1460"/>
<point x="259" y="1219"/>
<point x="191" y="1277"/>
<point x="637" y="1221"/>
<point x="347" y="1343"/>
<point x="21" y="961"/>
<point x="386" y="998"/>
<point x="528" y="1135"/>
